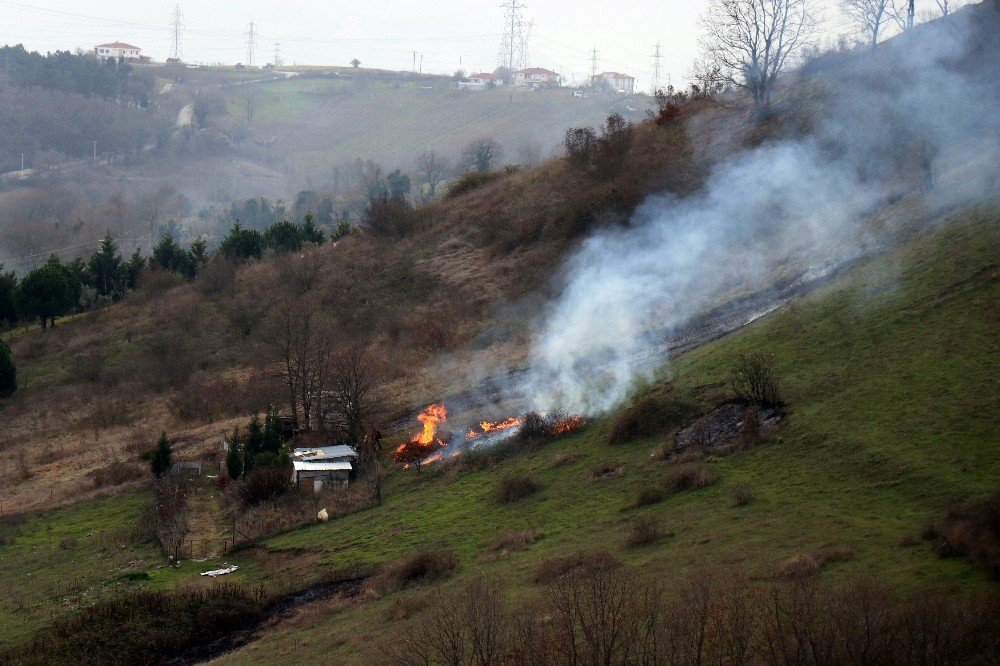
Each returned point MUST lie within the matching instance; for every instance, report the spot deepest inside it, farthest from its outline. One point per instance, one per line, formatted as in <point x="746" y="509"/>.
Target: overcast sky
<point x="449" y="34"/>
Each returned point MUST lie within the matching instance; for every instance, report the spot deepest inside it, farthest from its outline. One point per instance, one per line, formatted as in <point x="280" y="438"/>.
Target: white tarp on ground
<point x="220" y="572"/>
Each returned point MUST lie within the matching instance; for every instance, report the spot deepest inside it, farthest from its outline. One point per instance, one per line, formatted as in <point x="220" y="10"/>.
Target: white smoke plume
<point x="794" y="203"/>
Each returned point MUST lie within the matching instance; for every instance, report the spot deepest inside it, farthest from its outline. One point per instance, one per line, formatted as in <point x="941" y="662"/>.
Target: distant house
<point x="480" y="81"/>
<point x="323" y="465"/>
<point x="536" y="77"/>
<point x="616" y="81"/>
<point x="119" y="51"/>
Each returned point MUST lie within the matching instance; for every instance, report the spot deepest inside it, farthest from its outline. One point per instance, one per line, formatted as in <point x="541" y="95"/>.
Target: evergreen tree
<point x="161" y="459"/>
<point x="272" y="435"/>
<point x="234" y="456"/>
<point x="310" y="232"/>
<point x="243" y="243"/>
<point x="8" y="297"/>
<point x="199" y="253"/>
<point x="8" y="373"/>
<point x="283" y="237"/>
<point x="398" y="184"/>
<point x="51" y="290"/>
<point x="170" y="256"/>
<point x="253" y="444"/>
<point x="134" y="268"/>
<point x="107" y="271"/>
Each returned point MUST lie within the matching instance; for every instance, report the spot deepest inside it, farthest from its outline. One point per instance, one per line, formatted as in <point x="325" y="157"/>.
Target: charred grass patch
<point x="650" y="416"/>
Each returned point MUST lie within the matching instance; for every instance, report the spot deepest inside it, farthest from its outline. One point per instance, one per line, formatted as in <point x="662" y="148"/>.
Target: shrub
<point x="689" y="476"/>
<point x="514" y="488"/>
<point x="754" y="380"/>
<point x="614" y="145"/>
<point x="807" y="564"/>
<point x="606" y="472"/>
<point x="476" y="179"/>
<point x="389" y="216"/>
<point x="973" y="533"/>
<point x="263" y="484"/>
<point x="116" y="473"/>
<point x="579" y="564"/>
<point x="650" y="416"/>
<point x="579" y="143"/>
<point x="644" y="531"/>
<point x="425" y="566"/>
<point x="742" y="495"/>
<point x="649" y="496"/>
<point x="160" y="459"/>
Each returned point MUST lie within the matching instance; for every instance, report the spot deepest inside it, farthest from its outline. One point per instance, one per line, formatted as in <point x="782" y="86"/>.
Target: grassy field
<point x="891" y="378"/>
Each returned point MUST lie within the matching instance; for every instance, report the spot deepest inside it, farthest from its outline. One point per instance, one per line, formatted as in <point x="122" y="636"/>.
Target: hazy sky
<point x="448" y="33"/>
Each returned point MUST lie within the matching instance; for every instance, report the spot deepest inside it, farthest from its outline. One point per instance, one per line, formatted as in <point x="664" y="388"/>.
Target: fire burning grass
<point x="432" y="443"/>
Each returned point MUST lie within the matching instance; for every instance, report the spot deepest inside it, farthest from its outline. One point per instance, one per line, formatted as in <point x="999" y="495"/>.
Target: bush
<point x="754" y="380"/>
<point x="160" y="458"/>
<point x="689" y="476"/>
<point x="117" y="473"/>
<point x="143" y="627"/>
<point x="389" y="216"/>
<point x="514" y="488"/>
<point x="649" y="496"/>
<point x="264" y="484"/>
<point x="742" y="495"/>
<point x="425" y="566"/>
<point x="517" y="539"/>
<point x="476" y="179"/>
<point x="648" y="417"/>
<point x="973" y="533"/>
<point x="644" y="531"/>
<point x="579" y="143"/>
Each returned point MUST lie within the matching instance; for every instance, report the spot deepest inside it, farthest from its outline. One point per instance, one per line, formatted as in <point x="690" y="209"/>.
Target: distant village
<point x="529" y="77"/>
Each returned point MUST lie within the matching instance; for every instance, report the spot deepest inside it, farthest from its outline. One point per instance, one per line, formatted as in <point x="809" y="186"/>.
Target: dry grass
<point x="742" y="495"/>
<point x="687" y="476"/>
<point x="644" y="531"/>
<point x="584" y="564"/>
<point x="606" y="472"/>
<point x="803" y="565"/>
<point x="517" y="539"/>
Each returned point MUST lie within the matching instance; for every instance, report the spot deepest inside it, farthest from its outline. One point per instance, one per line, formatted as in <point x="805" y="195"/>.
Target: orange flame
<point x="426" y="441"/>
<point x="564" y="425"/>
<point x="486" y="427"/>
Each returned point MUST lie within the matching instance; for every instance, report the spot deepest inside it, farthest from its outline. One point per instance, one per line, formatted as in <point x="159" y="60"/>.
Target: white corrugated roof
<point x="307" y="466"/>
<point x="324" y="452"/>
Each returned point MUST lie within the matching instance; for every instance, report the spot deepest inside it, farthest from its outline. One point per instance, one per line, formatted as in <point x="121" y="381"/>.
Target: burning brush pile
<point x="435" y="442"/>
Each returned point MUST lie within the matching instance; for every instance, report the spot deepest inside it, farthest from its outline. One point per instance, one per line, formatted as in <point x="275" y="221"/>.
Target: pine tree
<point x="253" y="444"/>
<point x="234" y="456"/>
<point x="8" y="373"/>
<point x="160" y="460"/>
<point x="272" y="436"/>
<point x="107" y="271"/>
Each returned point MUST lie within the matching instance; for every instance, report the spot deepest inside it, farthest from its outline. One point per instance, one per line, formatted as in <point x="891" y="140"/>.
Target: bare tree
<point x="481" y="155"/>
<point x="869" y="16"/>
<point x="753" y="41"/>
<point x="904" y="12"/>
<point x="433" y="170"/>
<point x="304" y="344"/>
<point x="351" y="393"/>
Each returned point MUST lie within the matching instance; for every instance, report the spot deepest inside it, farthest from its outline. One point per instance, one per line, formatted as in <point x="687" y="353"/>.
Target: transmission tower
<point x="524" y="57"/>
<point x="657" y="82"/>
<point x="513" y="45"/>
<point x="251" y="35"/>
<point x="177" y="21"/>
<point x="277" y="54"/>
<point x="593" y="67"/>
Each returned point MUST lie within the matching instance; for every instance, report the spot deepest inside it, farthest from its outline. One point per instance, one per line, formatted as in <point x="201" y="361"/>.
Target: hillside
<point x="850" y="239"/>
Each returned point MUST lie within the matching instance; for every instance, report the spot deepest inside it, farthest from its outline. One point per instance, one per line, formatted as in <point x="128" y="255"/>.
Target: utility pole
<point x="657" y="69"/>
<point x="251" y="35"/>
<point x="277" y="54"/>
<point x="421" y="63"/>
<point x="178" y="29"/>
<point x="414" y="70"/>
<point x="95" y="151"/>
<point x="513" y="46"/>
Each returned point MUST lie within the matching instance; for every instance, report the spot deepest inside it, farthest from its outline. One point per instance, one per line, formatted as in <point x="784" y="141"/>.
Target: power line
<point x="277" y="54"/>
<point x="178" y="29"/>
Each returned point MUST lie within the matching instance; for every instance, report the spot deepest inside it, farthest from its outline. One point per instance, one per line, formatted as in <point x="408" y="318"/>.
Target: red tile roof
<point x="117" y="45"/>
<point x="538" y="70"/>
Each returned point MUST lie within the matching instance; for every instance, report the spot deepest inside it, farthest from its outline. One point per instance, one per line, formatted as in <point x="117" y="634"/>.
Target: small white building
<point x="118" y="51"/>
<point x="322" y="465"/>
<point x="480" y="81"/>
<point x="616" y="81"/>
<point x="536" y="77"/>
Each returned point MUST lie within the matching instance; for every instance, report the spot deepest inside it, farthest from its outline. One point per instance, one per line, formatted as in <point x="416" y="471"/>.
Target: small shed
<point x="321" y="473"/>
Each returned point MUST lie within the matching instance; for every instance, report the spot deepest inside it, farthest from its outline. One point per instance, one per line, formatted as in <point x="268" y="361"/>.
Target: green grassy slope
<point x="891" y="377"/>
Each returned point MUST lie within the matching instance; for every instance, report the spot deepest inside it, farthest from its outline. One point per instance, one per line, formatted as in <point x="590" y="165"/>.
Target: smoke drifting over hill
<point x="892" y="122"/>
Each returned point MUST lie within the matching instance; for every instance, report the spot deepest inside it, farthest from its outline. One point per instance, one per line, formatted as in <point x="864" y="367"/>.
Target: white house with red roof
<point x="536" y="77"/>
<point x="480" y="81"/>
<point x="118" y="51"/>
<point x="616" y="81"/>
